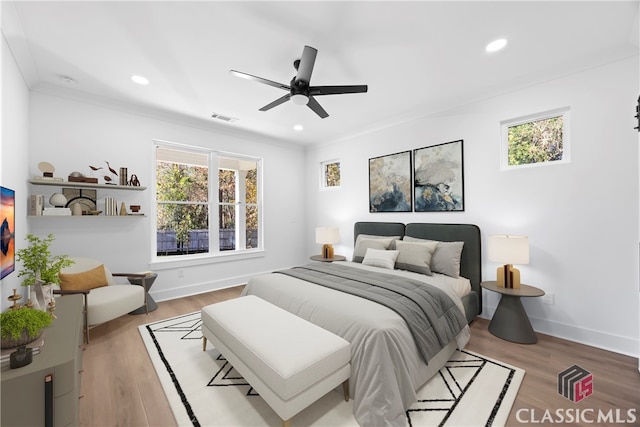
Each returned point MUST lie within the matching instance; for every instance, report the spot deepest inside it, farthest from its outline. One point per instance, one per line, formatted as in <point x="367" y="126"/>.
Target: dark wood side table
<point x="146" y="282"/>
<point x="322" y="259"/>
<point x="510" y="321"/>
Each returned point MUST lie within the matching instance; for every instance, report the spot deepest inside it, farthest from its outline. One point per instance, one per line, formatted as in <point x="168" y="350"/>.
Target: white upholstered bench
<point x="291" y="362"/>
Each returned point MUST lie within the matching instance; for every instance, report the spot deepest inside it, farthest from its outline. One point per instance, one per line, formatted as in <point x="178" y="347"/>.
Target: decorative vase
<point x="23" y="339"/>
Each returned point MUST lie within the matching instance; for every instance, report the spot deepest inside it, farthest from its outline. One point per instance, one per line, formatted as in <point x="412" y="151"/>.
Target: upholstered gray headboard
<point x="471" y="259"/>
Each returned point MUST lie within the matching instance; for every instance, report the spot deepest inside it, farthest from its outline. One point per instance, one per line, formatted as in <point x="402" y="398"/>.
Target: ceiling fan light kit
<point x="300" y="91"/>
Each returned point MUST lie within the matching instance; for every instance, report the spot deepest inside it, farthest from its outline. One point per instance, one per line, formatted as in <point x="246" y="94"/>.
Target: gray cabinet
<point x="24" y="397"/>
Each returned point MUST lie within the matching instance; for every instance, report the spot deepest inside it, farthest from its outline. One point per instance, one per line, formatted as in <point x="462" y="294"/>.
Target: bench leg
<point x="204" y="343"/>
<point x="345" y="388"/>
<point x="286" y="423"/>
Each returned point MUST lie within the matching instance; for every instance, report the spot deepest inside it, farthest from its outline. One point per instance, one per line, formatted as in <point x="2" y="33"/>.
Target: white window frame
<point x="323" y="181"/>
<point x="566" y="137"/>
<point x="214" y="254"/>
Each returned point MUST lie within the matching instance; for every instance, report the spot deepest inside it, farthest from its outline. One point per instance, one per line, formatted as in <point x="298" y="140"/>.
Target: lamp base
<point x="508" y="277"/>
<point x="327" y="251"/>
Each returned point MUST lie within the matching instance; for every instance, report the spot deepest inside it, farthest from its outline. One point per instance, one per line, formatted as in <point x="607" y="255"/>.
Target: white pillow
<point x="380" y="258"/>
<point x="415" y="256"/>
<point x="364" y="242"/>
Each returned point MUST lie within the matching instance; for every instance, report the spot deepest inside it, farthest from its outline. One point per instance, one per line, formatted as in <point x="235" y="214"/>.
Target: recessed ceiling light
<point x="298" y="128"/>
<point x="140" y="80"/>
<point x="67" y="79"/>
<point x="496" y="45"/>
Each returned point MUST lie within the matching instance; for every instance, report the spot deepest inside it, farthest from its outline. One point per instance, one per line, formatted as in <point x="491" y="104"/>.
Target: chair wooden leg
<point x="345" y="388"/>
<point x="286" y="423"/>
<point x="204" y="343"/>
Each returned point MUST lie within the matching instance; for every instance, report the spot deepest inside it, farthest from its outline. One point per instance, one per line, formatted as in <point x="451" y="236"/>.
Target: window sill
<point x="178" y="261"/>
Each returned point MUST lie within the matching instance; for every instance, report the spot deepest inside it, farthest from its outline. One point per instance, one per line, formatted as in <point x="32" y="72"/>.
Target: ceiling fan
<point x="300" y="92"/>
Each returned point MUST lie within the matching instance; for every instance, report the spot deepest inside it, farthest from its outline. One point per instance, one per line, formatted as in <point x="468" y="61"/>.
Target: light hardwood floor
<point x="120" y="386"/>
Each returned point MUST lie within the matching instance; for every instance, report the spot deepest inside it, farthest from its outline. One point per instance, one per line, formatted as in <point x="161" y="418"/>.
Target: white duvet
<point x="386" y="367"/>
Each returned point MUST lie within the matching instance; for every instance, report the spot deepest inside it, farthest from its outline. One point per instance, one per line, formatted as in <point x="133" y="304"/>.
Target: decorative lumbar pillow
<point x="446" y="257"/>
<point x="380" y="258"/>
<point x="84" y="281"/>
<point x="365" y="241"/>
<point x="415" y="256"/>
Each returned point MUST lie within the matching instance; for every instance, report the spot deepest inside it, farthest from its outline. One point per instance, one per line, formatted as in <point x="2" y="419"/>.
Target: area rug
<point x="203" y="389"/>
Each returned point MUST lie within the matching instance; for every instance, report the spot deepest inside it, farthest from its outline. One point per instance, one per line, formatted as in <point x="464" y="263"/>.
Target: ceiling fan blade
<point x="306" y="64"/>
<point x="317" y="108"/>
<point x="259" y="80"/>
<point x="277" y="102"/>
<point x="336" y="90"/>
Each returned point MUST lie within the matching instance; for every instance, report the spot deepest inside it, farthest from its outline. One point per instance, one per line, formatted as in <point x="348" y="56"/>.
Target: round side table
<point x="322" y="259"/>
<point x="510" y="321"/>
<point x="146" y="282"/>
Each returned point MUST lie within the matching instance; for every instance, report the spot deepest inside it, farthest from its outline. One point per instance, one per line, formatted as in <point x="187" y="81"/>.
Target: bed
<point x="387" y="366"/>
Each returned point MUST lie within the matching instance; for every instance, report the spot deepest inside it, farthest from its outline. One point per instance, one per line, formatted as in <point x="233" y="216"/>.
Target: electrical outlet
<point x="180" y="272"/>
<point x="548" y="298"/>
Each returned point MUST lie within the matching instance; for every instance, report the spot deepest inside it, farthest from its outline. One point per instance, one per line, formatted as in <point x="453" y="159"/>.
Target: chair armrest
<point x="70" y="292"/>
<point x="129" y="275"/>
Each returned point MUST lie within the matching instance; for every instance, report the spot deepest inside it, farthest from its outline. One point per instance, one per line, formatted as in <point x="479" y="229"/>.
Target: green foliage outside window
<point x="536" y="142"/>
<point x="182" y="183"/>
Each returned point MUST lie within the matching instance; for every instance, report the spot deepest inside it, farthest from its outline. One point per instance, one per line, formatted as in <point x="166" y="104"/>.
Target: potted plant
<point x="22" y="326"/>
<point x="38" y="263"/>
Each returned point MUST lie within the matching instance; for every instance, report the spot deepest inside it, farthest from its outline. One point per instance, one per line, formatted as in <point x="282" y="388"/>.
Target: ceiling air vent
<point x="224" y="118"/>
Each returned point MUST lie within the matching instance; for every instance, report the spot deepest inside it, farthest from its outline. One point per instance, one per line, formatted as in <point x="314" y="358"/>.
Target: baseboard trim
<point x="586" y="336"/>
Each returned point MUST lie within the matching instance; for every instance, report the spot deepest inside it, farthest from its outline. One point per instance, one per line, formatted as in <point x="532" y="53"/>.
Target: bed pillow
<point x="366" y="241"/>
<point x="446" y="257"/>
<point x="380" y="258"/>
<point x="85" y="281"/>
<point x="415" y="256"/>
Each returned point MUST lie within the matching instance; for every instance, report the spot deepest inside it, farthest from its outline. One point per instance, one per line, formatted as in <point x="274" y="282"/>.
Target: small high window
<point x="536" y="140"/>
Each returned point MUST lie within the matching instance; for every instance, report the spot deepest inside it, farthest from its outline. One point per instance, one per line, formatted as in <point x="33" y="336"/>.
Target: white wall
<point x="13" y="154"/>
<point x="581" y="217"/>
<point x="73" y="132"/>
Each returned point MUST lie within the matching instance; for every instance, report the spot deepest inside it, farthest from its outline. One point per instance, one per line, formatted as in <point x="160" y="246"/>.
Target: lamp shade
<point x="327" y="235"/>
<point x="508" y="249"/>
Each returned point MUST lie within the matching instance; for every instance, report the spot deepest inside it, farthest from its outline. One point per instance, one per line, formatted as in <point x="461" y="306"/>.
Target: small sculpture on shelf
<point x="14" y="298"/>
<point x="112" y="170"/>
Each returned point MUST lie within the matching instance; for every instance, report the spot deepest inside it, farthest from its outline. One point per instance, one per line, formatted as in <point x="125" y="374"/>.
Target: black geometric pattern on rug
<point x="174" y="379"/>
<point x="191" y="327"/>
<point x="449" y="375"/>
<point x="228" y="376"/>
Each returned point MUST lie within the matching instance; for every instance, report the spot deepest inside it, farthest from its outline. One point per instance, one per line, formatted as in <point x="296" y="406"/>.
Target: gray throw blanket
<point x="432" y="317"/>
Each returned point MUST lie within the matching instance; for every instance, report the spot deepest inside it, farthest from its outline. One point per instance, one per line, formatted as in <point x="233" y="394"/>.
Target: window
<point x="330" y="174"/>
<point x="207" y="202"/>
<point x="536" y="140"/>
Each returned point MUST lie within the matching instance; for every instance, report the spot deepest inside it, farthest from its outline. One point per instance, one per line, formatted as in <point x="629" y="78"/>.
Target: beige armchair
<point x="104" y="299"/>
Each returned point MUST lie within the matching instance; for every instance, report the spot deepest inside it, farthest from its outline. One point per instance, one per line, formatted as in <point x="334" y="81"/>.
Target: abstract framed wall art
<point x="390" y="183"/>
<point x="439" y="178"/>
<point x="7" y="231"/>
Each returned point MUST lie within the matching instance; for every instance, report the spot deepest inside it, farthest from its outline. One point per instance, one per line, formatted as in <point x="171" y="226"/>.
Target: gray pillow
<point x="366" y="241"/>
<point x="415" y="256"/>
<point x="446" y="257"/>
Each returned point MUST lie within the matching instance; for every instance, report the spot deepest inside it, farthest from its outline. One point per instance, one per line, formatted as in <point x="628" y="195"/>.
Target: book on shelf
<point x="47" y="178"/>
<point x="56" y="212"/>
<point x="110" y="206"/>
<point x="36" y="204"/>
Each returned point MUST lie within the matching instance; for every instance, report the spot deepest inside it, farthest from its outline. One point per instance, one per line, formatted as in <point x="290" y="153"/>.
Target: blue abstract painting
<point x="390" y="183"/>
<point x="439" y="178"/>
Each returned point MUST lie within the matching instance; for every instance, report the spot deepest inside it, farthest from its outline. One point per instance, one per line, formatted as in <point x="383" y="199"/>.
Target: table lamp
<point x="327" y="236"/>
<point x="509" y="250"/>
